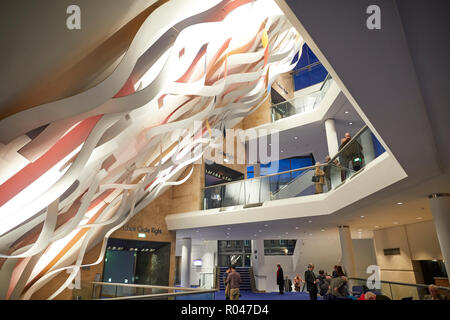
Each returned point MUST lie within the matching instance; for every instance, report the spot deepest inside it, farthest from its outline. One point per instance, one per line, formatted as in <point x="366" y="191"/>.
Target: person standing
<point x="280" y="279"/>
<point x="287" y="285"/>
<point x="234" y="281"/>
<point x="335" y="274"/>
<point x="311" y="282"/>
<point x="339" y="285"/>
<point x="227" y="286"/>
<point x="297" y="283"/>
<point x="319" y="175"/>
<point x="344" y="155"/>
<point x="434" y="294"/>
<point x="324" y="282"/>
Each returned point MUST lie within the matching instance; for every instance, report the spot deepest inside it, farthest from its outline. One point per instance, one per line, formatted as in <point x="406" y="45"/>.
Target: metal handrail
<point x="329" y="163"/>
<point x="289" y="183"/>
<point x="266" y="176"/>
<point x="143" y="286"/>
<point x="188" y="291"/>
<point x="417" y="285"/>
<point x="158" y="295"/>
<point x="356" y="136"/>
<point x="328" y="77"/>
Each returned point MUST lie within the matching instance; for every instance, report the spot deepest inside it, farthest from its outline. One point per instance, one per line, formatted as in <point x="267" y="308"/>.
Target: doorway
<point x="135" y="262"/>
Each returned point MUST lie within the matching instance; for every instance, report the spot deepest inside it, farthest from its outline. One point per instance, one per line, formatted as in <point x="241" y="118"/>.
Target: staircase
<point x="295" y="186"/>
<point x="246" y="284"/>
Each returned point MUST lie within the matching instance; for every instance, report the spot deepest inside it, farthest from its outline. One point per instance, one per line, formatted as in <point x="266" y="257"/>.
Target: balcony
<point x="302" y="104"/>
<point x="350" y="161"/>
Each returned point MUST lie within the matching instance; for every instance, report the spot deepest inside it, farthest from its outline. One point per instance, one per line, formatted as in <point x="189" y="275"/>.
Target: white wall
<point x="207" y="252"/>
<point x="324" y="253"/>
<point x="364" y="251"/>
<point x="423" y="241"/>
<point x="416" y="241"/>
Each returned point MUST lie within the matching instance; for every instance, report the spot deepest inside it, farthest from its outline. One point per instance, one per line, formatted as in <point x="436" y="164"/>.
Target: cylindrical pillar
<point x="332" y="139"/>
<point x="440" y="209"/>
<point x="186" y="248"/>
<point x="348" y="258"/>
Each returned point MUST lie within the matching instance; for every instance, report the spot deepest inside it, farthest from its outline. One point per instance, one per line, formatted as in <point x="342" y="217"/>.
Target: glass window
<point x="279" y="247"/>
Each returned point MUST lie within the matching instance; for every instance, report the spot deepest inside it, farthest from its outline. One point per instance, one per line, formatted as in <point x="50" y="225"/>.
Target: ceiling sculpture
<point x="75" y="170"/>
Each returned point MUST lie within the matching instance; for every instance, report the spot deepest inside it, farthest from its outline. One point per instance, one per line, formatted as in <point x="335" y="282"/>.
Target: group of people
<point x="285" y="284"/>
<point x="334" y="286"/>
<point x="352" y="153"/>
<point x="327" y="286"/>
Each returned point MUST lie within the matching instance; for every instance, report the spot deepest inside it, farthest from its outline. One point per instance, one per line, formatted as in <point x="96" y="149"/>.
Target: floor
<point x="248" y="295"/>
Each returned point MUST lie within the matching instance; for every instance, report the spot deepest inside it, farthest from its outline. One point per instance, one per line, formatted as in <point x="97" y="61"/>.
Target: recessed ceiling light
<point x="399" y="202"/>
<point x="282" y="151"/>
<point x="419" y="218"/>
<point x="395" y="222"/>
<point x="287" y="232"/>
<point x="197" y="231"/>
<point x="259" y="230"/>
<point x="297" y="228"/>
<point x="295" y="138"/>
<point x="229" y="228"/>
<point x="362" y="217"/>
<point x="228" y="237"/>
<point x="322" y="230"/>
<point x="346" y="112"/>
<point x="310" y="234"/>
<point x="266" y="225"/>
<point x="228" y="233"/>
<point x="350" y="123"/>
<point x="310" y="221"/>
<point x="377" y="226"/>
<point x="254" y="235"/>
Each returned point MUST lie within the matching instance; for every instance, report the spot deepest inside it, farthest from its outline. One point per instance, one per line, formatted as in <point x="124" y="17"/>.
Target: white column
<point x="348" y="257"/>
<point x="258" y="264"/>
<point x="186" y="248"/>
<point x="332" y="139"/>
<point x="440" y="209"/>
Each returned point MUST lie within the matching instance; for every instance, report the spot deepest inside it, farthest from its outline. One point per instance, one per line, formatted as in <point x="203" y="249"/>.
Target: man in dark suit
<point x="311" y="282"/>
<point x="280" y="279"/>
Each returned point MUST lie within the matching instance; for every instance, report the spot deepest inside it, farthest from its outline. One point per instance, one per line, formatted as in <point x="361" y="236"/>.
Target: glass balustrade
<point x="122" y="291"/>
<point x="301" y="104"/>
<point x="396" y="290"/>
<point x="362" y="149"/>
